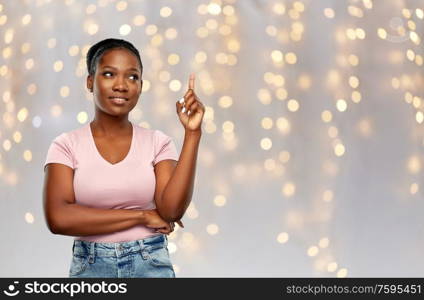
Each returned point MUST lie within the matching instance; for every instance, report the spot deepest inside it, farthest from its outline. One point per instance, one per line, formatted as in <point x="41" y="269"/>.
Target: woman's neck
<point x="105" y="126"/>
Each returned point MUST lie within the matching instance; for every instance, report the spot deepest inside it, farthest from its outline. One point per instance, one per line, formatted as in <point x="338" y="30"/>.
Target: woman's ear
<point x="90" y="83"/>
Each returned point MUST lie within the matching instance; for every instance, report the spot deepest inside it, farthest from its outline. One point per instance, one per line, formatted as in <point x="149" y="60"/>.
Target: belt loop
<point x="143" y="250"/>
<point x="92" y="252"/>
<point x="73" y="247"/>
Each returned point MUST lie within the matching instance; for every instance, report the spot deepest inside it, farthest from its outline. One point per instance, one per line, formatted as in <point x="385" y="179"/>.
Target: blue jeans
<point x="147" y="257"/>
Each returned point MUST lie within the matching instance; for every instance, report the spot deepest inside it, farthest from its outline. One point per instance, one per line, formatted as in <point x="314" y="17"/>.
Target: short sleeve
<point x="60" y="151"/>
<point x="164" y="147"/>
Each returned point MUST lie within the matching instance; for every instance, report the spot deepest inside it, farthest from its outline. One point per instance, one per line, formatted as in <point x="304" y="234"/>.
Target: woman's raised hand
<point x="189" y="109"/>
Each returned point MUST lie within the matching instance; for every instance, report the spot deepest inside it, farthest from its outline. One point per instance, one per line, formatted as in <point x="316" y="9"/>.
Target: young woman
<point x="117" y="187"/>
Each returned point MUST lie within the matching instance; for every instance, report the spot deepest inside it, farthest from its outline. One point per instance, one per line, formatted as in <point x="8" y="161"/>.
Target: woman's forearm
<point x="79" y="220"/>
<point x="177" y="194"/>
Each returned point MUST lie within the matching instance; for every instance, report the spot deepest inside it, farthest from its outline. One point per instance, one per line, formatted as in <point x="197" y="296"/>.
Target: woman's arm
<point x="178" y="180"/>
<point x="64" y="216"/>
<point x="175" y="182"/>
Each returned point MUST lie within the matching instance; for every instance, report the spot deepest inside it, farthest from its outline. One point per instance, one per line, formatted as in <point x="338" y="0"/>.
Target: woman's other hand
<point x="152" y="219"/>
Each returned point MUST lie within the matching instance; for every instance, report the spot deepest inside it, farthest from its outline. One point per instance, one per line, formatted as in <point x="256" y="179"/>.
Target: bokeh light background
<point x="311" y="156"/>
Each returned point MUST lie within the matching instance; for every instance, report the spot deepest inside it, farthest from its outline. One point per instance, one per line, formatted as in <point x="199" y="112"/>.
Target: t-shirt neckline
<point x="93" y="143"/>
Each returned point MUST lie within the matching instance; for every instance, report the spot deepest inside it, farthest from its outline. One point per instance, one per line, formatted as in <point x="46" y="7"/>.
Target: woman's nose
<point x="120" y="84"/>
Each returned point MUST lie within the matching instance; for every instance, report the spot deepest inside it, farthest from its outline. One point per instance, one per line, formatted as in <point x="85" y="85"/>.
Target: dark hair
<point x="97" y="50"/>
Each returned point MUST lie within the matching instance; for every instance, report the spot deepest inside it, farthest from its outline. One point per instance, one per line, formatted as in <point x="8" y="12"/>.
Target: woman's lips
<point x="118" y="100"/>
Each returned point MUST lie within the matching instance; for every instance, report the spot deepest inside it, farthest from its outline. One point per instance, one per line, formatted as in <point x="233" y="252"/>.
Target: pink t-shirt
<point x="128" y="184"/>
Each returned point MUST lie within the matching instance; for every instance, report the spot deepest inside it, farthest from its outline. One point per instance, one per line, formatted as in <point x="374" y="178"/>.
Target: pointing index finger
<point x="191" y="82"/>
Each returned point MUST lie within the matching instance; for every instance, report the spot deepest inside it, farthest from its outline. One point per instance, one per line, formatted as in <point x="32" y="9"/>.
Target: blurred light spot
<point x="173" y="59"/>
<point x="121" y="5"/>
<point x="283" y="125"/>
<point x="284" y="156"/>
<point x="27" y="155"/>
<point x="414" y="164"/>
<point x="281" y="94"/>
<point x="331" y="267"/>
<point x="339" y="149"/>
<point x="192" y="212"/>
<point x="353" y="81"/>
<point x="22" y="114"/>
<point x="164" y="76"/>
<point x="51" y="43"/>
<point x="219" y="200"/>
<point x="82" y="117"/>
<point x="290" y="58"/>
<point x="264" y="96"/>
<point x="125" y="29"/>
<point x="17" y="137"/>
<point x="175" y="85"/>
<point x="29" y="218"/>
<point x="313" y="251"/>
<point x="269" y="164"/>
<point x="228" y="10"/>
<point x="266" y="143"/>
<point x="171" y="33"/>
<point x="64" y="91"/>
<point x="90" y="9"/>
<point x="267" y="123"/>
<point x="329" y="13"/>
<point x="277" y="56"/>
<point x="36" y="121"/>
<point x="151" y="29"/>
<point x="324" y="242"/>
<point x="413" y="189"/>
<point x="356" y="96"/>
<point x="225" y="101"/>
<point x="172" y="247"/>
<point x="7" y="145"/>
<point x="3" y="19"/>
<point x="214" y="8"/>
<point x="139" y="20"/>
<point x="326" y="116"/>
<point x="29" y="63"/>
<point x="289" y="189"/>
<point x="293" y="105"/>
<point x="146" y="85"/>
<point x="327" y="196"/>
<point x="58" y="66"/>
<point x="200" y="57"/>
<point x="211" y="24"/>
<point x="56" y="110"/>
<point x="8" y="36"/>
<point x="283" y="237"/>
<point x="342" y="273"/>
<point x="341" y="105"/>
<point x="73" y="50"/>
<point x="7" y="52"/>
<point x="228" y="126"/>
<point x="212" y="229"/>
<point x="419" y="117"/>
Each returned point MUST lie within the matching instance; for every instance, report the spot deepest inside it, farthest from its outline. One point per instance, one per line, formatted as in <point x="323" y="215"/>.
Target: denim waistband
<point x="93" y="249"/>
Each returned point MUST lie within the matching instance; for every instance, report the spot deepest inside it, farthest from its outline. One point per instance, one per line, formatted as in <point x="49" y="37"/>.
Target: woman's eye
<point x="105" y="73"/>
<point x="134" y="77"/>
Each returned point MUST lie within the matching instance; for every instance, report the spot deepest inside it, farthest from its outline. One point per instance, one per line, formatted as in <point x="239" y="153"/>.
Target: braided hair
<point x="97" y="50"/>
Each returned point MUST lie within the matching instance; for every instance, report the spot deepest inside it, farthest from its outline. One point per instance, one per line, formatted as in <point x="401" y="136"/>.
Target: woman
<point x="115" y="186"/>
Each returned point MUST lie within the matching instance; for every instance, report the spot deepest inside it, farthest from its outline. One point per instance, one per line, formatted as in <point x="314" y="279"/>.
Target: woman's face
<point x="117" y="82"/>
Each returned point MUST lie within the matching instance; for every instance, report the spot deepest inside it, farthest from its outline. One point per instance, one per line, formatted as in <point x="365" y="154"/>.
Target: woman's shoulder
<point x="152" y="132"/>
<point x="72" y="136"/>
